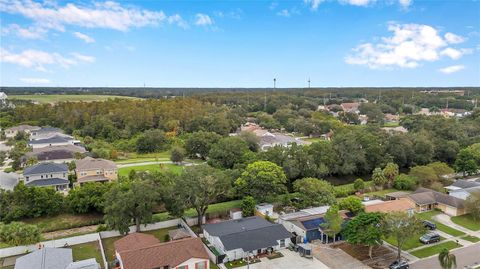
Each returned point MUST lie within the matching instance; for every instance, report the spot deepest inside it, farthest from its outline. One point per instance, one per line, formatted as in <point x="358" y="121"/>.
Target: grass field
<point x="55" y="98"/>
<point x="124" y="171"/>
<point x="470" y="238"/>
<point x="87" y="251"/>
<point x="429" y="251"/>
<point x="65" y="221"/>
<point x="212" y="209"/>
<point x="467" y="222"/>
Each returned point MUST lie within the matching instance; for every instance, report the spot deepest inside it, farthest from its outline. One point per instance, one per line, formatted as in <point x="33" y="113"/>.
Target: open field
<point x="65" y="221"/>
<point x="55" y="98"/>
<point x="429" y="251"/>
<point x="87" y="251"/>
<point x="467" y="222"/>
<point x="212" y="209"/>
<point x="124" y="171"/>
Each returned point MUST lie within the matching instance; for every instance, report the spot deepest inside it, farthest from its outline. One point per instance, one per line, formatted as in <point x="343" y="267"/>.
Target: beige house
<point x="95" y="170"/>
<point x="13" y="131"/>
<point x="426" y="200"/>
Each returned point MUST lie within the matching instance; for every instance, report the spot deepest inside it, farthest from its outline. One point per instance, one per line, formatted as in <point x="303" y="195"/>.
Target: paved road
<point x="467" y="257"/>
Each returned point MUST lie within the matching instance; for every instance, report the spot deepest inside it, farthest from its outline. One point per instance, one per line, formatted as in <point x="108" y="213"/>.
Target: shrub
<point x="404" y="182"/>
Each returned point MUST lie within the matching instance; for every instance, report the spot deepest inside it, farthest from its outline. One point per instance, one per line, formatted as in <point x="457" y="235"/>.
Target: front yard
<point x="440" y="226"/>
<point x="430" y="251"/>
<point x="411" y="243"/>
<point x="470" y="238"/>
<point x="467" y="222"/>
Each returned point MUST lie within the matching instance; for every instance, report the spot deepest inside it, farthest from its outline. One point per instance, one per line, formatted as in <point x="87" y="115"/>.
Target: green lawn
<point x="110" y="249"/>
<point x="65" y="221"/>
<point x="313" y="139"/>
<point x="429" y="251"/>
<point x="470" y="238"/>
<point x="411" y="243"/>
<point x="212" y="209"/>
<point x="87" y="251"/>
<point x="391" y="124"/>
<point x="467" y="222"/>
<point x="4" y="245"/>
<point x="442" y="227"/>
<point x="124" y="171"/>
<point x="54" y="98"/>
<point x="213" y="265"/>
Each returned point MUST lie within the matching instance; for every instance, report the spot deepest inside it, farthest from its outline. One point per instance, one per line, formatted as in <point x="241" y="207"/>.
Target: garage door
<point x="450" y="211"/>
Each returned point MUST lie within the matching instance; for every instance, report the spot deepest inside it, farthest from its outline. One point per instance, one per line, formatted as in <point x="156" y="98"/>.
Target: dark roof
<point x="49" y="129"/>
<point x="423" y="196"/>
<point x="41" y="168"/>
<point x="45" y="258"/>
<point x="47" y="182"/>
<point x="465" y="184"/>
<point x="51" y="140"/>
<point x="255" y="239"/>
<point x="235" y="226"/>
<point x="54" y="155"/>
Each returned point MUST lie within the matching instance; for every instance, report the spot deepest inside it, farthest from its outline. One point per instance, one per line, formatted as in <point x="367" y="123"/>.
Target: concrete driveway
<point x="291" y="260"/>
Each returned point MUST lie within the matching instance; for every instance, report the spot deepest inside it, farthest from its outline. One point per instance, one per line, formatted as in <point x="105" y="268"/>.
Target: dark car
<point x="399" y="265"/>
<point x="430" y="238"/>
<point x="429" y="225"/>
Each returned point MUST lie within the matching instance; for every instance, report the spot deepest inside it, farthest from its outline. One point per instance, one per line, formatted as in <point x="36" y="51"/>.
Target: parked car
<point x="429" y="225"/>
<point x="430" y="238"/>
<point x="399" y="265"/>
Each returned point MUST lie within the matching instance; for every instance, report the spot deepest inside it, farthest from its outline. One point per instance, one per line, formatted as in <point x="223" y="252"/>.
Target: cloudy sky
<point x="240" y="43"/>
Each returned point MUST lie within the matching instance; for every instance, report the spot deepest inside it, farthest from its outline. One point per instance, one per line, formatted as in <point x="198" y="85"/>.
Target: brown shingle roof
<point x="390" y="206"/>
<point x="424" y="196"/>
<point x="89" y="163"/>
<point x="135" y="241"/>
<point x="169" y="254"/>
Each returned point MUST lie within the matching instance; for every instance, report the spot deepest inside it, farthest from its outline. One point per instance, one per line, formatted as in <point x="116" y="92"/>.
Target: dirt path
<point x="70" y="232"/>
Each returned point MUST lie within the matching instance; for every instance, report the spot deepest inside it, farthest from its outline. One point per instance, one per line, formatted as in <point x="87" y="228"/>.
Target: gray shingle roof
<point x="47" y="182"/>
<point x="51" y="140"/>
<point x="84" y="264"/>
<point x="45" y="258"/>
<point x="255" y="239"/>
<point x="235" y="226"/>
<point x="465" y="184"/>
<point x="42" y="168"/>
<point x="423" y="196"/>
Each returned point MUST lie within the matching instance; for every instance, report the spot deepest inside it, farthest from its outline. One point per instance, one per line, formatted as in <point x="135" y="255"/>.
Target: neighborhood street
<point x="467" y="257"/>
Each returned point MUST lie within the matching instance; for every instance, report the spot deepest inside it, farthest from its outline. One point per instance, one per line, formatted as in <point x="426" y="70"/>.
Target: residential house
<point x="269" y="140"/>
<point x="46" y="132"/>
<point x="13" y="131"/>
<point x="391" y="117"/>
<point x="398" y="129"/>
<point x="53" y="175"/>
<point x="396" y="195"/>
<point x="57" y="154"/>
<point x="462" y="189"/>
<point x="53" y="258"/>
<point x="144" y="251"/>
<point x="398" y="205"/>
<point x="427" y="199"/>
<point x="57" y="140"/>
<point x="351" y="107"/>
<point x="306" y="224"/>
<point x="240" y="238"/>
<point x="89" y="169"/>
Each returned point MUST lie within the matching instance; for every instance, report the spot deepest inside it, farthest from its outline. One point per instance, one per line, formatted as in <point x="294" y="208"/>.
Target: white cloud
<point x="453" y="38"/>
<point x="284" y="13"/>
<point x="109" y="15"/>
<point x="84" y="37"/>
<point x="452" y="69"/>
<point x="314" y="4"/>
<point x="31" y="32"/>
<point x="405" y="3"/>
<point x="409" y="45"/>
<point x="83" y="58"/>
<point x="35" y="80"/>
<point x="357" y="2"/>
<point x="37" y="59"/>
<point x="178" y="20"/>
<point x="203" y="20"/>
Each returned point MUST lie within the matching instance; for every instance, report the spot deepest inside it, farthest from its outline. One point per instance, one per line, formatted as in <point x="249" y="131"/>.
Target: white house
<point x="53" y="175"/>
<point x="240" y="238"/>
<point x="462" y="189"/>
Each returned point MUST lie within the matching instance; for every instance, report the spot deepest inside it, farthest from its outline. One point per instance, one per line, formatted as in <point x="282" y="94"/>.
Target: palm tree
<point x="447" y="259"/>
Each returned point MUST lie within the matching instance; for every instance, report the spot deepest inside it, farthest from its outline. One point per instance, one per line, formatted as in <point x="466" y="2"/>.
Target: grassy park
<point x="55" y="98"/>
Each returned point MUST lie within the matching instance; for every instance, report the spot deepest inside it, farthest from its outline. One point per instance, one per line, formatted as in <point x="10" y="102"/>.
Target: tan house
<point x="95" y="170"/>
<point x="426" y="200"/>
<point x="398" y="205"/>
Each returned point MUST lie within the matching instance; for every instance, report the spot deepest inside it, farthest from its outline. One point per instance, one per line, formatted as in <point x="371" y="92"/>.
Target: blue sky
<point x="240" y="43"/>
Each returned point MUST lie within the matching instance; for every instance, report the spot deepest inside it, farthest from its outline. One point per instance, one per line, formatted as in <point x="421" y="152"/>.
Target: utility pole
<point x="265" y="101"/>
<point x="309" y="83"/>
<point x="274" y="83"/>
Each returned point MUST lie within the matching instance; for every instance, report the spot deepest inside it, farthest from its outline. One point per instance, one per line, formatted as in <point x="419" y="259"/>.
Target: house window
<point x="27" y="178"/>
<point x="41" y="176"/>
<point x="282" y="243"/>
<point x="201" y="265"/>
<point x="183" y="267"/>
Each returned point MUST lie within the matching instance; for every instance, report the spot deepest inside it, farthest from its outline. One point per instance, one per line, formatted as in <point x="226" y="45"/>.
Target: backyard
<point x="218" y="208"/>
<point x="177" y="169"/>
<point x="87" y="251"/>
<point x="65" y="221"/>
